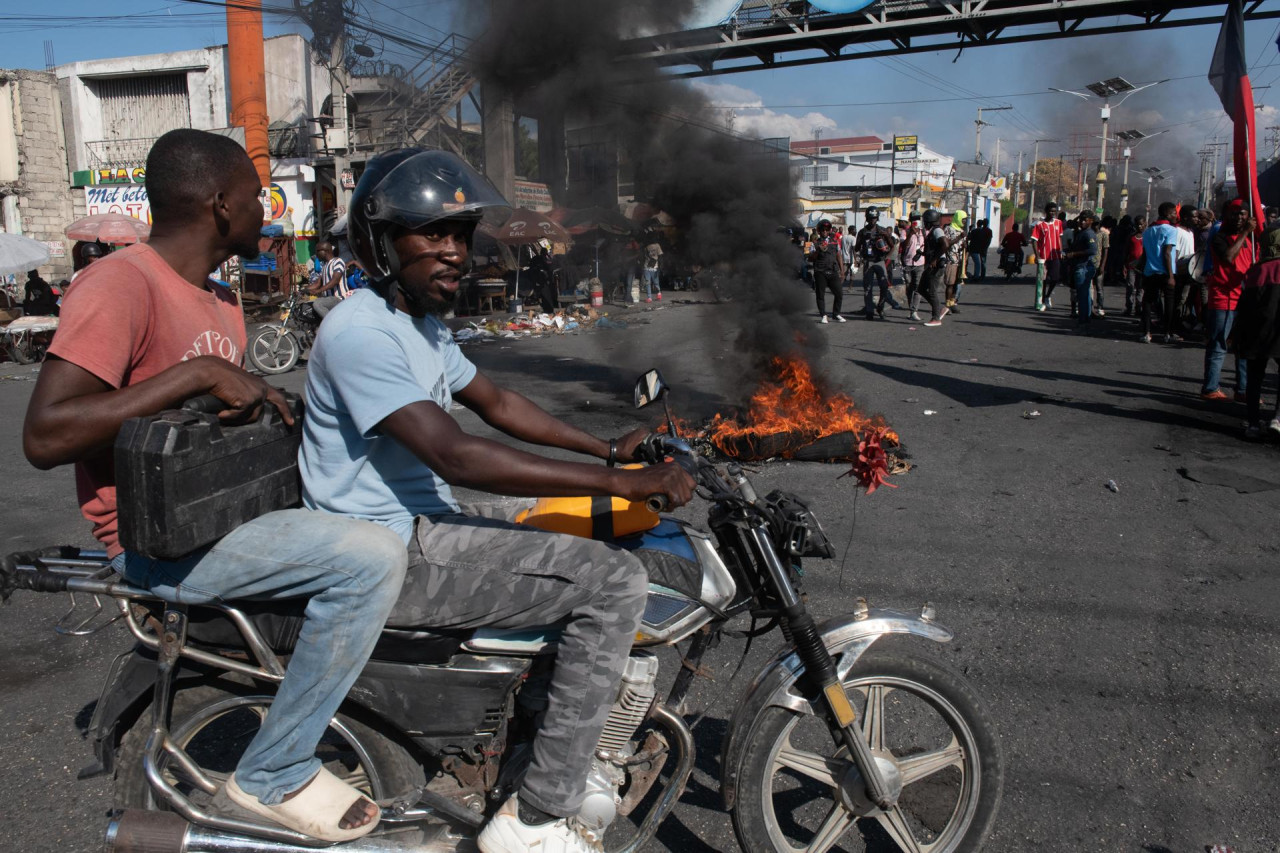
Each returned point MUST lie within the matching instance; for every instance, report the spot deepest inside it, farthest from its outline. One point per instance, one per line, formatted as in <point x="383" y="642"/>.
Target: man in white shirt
<point x="332" y="279"/>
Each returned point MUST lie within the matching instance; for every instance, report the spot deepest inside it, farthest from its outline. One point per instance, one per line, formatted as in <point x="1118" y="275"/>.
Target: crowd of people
<point x="921" y="251"/>
<point x="1189" y="275"/>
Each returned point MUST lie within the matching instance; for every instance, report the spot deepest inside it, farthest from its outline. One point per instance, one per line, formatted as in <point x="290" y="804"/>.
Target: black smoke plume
<point x="730" y="197"/>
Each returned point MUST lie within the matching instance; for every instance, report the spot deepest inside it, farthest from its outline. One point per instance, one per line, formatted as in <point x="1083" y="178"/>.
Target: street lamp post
<point x="1154" y="175"/>
<point x="1132" y="139"/>
<point x="1106" y="89"/>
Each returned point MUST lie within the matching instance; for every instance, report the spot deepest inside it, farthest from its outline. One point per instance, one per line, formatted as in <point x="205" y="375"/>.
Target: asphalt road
<point x="1125" y="642"/>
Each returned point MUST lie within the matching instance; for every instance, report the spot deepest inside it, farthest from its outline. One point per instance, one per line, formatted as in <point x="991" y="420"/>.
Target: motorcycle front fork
<point x="820" y="670"/>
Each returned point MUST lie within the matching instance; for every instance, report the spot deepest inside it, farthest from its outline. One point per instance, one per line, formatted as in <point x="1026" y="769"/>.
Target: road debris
<point x="1031" y="414"/>
<point x="1111" y="484"/>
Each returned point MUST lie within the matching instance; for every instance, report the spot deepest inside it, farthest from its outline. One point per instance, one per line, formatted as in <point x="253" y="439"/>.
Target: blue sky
<point x="928" y="94"/>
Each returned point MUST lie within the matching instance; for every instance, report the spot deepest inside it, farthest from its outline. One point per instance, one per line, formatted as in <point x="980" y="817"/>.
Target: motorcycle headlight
<point x="799" y="533"/>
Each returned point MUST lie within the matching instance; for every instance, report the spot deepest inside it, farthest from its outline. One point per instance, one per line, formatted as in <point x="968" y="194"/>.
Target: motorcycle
<point x="276" y="347"/>
<point x="837" y="733"/>
<point x="26" y="339"/>
<point x="1010" y="263"/>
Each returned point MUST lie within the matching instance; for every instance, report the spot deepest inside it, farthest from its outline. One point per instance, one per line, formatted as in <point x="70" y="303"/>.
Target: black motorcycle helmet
<point x="872" y="214"/>
<point x="931" y="217"/>
<point x="407" y="189"/>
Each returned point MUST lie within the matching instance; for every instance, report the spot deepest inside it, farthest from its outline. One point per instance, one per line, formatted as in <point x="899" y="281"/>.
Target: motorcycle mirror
<point x="650" y="388"/>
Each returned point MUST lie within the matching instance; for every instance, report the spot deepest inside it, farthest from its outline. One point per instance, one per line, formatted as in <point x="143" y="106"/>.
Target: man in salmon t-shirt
<point x="145" y="329"/>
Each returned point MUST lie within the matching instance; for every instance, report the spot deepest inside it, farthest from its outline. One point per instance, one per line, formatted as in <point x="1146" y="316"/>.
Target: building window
<point x="815" y="174"/>
<point x="824" y="151"/>
<point x="141" y="107"/>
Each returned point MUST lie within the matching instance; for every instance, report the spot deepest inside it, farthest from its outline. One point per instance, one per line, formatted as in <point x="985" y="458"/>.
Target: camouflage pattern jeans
<point x="478" y="568"/>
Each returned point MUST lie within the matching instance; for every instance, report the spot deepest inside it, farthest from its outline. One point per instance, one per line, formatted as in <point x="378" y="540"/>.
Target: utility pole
<point x="1035" y="160"/>
<point x="340" y="139"/>
<point x="1102" y="161"/>
<point x="996" y="169"/>
<point x="980" y="124"/>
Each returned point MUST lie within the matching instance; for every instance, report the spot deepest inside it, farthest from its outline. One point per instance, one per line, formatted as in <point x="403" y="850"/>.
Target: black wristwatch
<point x="613" y="452"/>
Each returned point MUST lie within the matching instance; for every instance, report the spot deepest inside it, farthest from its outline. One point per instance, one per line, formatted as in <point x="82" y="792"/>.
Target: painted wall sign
<point x="131" y="200"/>
<point x="532" y="195"/>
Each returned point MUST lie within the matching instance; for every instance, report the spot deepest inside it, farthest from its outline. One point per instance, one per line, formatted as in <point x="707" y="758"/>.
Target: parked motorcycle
<point x="27" y="339"/>
<point x="276" y="347"/>
<point x="837" y="734"/>
<point x="1010" y="264"/>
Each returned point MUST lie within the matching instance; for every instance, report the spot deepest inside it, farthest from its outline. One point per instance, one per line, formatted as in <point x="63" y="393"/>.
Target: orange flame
<point x="791" y="406"/>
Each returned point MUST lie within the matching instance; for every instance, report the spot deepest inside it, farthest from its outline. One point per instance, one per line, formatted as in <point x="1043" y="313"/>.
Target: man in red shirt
<point x="1046" y="242"/>
<point x="145" y="329"/>
<point x="1233" y="254"/>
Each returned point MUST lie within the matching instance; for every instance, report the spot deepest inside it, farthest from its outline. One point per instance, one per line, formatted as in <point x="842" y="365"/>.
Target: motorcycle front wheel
<point x="935" y="746"/>
<point x="214" y="723"/>
<point x="273" y="350"/>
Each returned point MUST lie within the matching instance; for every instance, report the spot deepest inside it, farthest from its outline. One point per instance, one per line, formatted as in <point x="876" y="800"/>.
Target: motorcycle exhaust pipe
<point x="137" y="831"/>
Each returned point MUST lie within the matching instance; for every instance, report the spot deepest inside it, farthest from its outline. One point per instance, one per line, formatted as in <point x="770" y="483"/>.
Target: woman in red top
<point x="1257" y="329"/>
<point x="1233" y="254"/>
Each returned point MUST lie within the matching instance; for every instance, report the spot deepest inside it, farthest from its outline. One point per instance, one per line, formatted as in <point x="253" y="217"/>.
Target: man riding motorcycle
<point x="142" y="331"/>
<point x="379" y="444"/>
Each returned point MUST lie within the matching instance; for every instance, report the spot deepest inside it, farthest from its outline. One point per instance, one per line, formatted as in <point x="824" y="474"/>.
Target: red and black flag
<point x="1229" y="75"/>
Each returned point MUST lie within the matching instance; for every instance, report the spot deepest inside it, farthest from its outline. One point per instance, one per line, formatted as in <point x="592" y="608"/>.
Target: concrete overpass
<point x="782" y="33"/>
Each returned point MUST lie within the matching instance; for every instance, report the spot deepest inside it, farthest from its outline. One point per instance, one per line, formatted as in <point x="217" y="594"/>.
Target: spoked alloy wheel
<point x="933" y="743"/>
<point x="274" y="350"/>
<point x="214" y="727"/>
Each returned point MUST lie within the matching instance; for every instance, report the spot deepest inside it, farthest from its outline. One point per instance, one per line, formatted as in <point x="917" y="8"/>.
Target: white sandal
<point x="316" y="811"/>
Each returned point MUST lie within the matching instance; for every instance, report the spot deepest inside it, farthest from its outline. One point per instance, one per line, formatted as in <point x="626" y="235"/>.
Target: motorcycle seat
<point x="279" y="623"/>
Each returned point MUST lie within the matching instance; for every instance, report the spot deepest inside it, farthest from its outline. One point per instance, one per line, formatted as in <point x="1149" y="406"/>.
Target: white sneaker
<point x="1048" y="303"/>
<point x="506" y="833"/>
<point x="824" y="319"/>
<point x="840" y="318"/>
<point x="1274" y="426"/>
<point x="915" y="317"/>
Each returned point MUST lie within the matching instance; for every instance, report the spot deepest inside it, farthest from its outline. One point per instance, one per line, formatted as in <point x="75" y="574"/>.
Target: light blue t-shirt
<point x="1154" y="239"/>
<point x="369" y="361"/>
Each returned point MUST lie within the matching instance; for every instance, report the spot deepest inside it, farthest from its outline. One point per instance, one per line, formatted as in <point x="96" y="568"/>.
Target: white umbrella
<point x="19" y="253"/>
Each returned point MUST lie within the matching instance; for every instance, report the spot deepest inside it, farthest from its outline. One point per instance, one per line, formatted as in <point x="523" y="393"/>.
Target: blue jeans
<point x="352" y="572"/>
<point x="873" y="273"/>
<point x="1217" y="328"/>
<point x="1082" y="278"/>
<point x="650" y="282"/>
<point x="979" y="265"/>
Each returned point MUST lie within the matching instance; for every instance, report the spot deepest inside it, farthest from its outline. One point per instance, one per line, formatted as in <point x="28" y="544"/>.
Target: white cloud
<point x="751" y="117"/>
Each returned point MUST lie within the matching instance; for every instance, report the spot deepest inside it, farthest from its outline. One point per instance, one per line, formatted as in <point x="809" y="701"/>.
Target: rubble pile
<point x="534" y="323"/>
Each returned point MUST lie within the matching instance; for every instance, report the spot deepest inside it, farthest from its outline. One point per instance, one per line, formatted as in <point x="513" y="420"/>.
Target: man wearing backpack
<point x="874" y="245"/>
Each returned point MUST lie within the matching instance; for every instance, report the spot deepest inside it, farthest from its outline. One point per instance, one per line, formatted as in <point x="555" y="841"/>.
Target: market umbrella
<point x="19" y="253"/>
<point x="113" y="228"/>
<point x="597" y="219"/>
<point x="588" y="219"/>
<point x="529" y="226"/>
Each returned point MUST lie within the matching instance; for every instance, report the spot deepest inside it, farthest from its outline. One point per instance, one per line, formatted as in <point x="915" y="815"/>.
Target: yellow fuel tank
<point x="601" y="518"/>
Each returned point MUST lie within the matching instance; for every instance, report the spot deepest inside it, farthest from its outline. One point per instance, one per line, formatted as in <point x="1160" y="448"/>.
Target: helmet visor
<point x="431" y="186"/>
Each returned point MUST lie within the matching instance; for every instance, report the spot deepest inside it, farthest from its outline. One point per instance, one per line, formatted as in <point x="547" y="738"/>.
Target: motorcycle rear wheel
<point x="927" y="728"/>
<point x="274" y="350"/>
<point x="214" y="723"/>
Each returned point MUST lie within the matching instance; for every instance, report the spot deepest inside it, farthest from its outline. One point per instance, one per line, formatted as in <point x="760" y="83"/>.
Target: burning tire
<point x="932" y="739"/>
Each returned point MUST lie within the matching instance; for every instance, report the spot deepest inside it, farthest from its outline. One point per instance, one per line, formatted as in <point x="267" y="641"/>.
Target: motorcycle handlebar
<point x="657" y="503"/>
